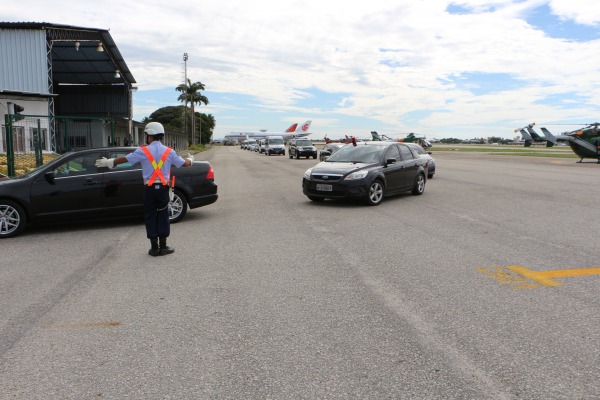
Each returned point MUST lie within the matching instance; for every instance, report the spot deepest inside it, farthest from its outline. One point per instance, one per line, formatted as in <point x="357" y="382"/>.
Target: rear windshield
<point x="303" y="142"/>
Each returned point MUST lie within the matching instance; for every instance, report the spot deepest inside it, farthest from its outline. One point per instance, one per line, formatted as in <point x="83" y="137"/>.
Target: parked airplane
<point x="292" y="132"/>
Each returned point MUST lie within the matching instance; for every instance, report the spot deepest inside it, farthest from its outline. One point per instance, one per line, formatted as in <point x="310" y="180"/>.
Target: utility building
<point x="73" y="86"/>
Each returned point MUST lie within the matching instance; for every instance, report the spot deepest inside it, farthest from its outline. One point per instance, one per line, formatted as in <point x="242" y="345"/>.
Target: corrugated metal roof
<point x="84" y="65"/>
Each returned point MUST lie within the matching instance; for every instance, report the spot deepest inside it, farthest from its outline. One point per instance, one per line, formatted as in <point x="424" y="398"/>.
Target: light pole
<point x="185" y="58"/>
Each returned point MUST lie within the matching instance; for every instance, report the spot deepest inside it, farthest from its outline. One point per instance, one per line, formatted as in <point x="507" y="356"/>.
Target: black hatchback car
<point x="72" y="188"/>
<point x="368" y="171"/>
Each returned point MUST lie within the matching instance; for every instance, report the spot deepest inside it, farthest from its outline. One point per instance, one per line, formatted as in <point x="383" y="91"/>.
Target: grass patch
<point x="557" y="152"/>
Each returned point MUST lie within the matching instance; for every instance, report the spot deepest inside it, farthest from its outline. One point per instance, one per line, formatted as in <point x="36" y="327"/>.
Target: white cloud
<point x="389" y="59"/>
<point x="585" y="12"/>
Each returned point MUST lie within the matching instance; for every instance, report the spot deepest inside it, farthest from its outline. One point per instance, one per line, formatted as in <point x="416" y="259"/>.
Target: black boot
<point x="164" y="249"/>
<point x="154" y="250"/>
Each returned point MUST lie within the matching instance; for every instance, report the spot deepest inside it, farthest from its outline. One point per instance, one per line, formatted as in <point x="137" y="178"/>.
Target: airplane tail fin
<point x="305" y="126"/>
<point x="526" y="136"/>
<point x="534" y="134"/>
<point x="551" y="139"/>
<point x="375" y="136"/>
<point x="292" y="128"/>
<point x="327" y="141"/>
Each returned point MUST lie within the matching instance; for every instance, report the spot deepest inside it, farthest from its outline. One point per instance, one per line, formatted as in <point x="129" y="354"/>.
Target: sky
<point x="439" y="68"/>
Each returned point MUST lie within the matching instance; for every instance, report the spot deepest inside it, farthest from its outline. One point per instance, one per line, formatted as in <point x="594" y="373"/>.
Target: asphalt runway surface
<point x="271" y="296"/>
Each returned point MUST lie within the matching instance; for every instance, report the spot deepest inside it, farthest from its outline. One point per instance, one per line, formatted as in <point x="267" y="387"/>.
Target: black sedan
<point x="426" y="155"/>
<point x="368" y="171"/>
<point x="329" y="149"/>
<point x="72" y="187"/>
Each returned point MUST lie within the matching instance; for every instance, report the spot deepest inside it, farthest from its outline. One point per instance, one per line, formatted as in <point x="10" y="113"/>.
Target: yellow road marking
<point x="546" y="278"/>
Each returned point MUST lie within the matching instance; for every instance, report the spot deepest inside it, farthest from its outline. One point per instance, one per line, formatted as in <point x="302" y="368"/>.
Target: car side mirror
<point x="49" y="176"/>
<point x="429" y="152"/>
<point x="390" y="161"/>
<point x="326" y="153"/>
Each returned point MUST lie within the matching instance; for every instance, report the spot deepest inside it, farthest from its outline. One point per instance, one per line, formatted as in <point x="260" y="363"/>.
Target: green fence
<point x="29" y="141"/>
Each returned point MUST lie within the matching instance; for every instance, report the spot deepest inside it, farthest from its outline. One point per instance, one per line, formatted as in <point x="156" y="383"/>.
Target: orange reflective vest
<point x="157" y="166"/>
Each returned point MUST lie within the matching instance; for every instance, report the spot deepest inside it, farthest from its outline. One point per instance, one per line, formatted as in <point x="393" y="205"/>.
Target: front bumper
<point x="312" y="153"/>
<point x="339" y="190"/>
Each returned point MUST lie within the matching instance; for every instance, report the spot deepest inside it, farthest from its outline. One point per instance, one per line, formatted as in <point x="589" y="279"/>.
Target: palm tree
<point x="190" y="93"/>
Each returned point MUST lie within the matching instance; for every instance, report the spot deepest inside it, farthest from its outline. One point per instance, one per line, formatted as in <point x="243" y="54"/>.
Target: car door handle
<point x="90" y="181"/>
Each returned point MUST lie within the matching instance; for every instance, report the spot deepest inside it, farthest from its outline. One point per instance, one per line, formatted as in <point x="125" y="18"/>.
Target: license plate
<point x="324" y="188"/>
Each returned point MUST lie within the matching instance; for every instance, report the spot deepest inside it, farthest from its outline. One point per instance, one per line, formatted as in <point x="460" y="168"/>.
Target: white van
<point x="274" y="145"/>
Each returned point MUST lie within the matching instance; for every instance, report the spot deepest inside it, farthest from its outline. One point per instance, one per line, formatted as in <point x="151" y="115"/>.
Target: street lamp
<point x="185" y="58"/>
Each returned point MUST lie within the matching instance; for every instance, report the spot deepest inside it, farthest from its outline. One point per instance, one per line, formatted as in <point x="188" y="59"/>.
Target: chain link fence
<point x="29" y="141"/>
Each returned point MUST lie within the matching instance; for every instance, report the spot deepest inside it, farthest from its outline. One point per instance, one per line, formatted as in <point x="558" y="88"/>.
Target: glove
<point x="190" y="157"/>
<point x="105" y="162"/>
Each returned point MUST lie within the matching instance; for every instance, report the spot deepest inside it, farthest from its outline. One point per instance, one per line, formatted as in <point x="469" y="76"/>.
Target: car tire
<point x="12" y="219"/>
<point x="430" y="176"/>
<point x="315" y="156"/>
<point x="376" y="193"/>
<point x="419" y="186"/>
<point x="177" y="207"/>
<point x="316" y="199"/>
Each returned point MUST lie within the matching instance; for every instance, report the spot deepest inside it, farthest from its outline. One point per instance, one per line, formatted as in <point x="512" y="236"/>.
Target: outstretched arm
<point x="110" y="162"/>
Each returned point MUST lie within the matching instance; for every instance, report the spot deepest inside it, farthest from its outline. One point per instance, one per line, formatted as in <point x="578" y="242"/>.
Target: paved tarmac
<point x="271" y="296"/>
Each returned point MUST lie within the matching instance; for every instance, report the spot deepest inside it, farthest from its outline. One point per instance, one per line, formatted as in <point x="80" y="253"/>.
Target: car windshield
<point x="303" y="143"/>
<point x="276" y="141"/>
<point x="357" y="154"/>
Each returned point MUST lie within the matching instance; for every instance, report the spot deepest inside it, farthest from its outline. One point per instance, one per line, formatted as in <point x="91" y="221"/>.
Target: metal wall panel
<point x="23" y="61"/>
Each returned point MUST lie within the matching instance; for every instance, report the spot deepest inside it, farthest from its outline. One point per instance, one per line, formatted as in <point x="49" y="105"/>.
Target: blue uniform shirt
<point x="156" y="149"/>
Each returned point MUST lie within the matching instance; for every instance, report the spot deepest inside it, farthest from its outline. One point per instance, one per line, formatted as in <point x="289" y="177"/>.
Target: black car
<point x="367" y="171"/>
<point x="72" y="187"/>
<point x="426" y="155"/>
<point x="329" y="149"/>
<point x="302" y="147"/>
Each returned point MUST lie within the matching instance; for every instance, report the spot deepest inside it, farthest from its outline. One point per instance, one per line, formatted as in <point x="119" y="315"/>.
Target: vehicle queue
<point x="368" y="171"/>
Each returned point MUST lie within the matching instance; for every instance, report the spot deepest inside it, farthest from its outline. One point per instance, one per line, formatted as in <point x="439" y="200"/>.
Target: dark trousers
<point x="156" y="211"/>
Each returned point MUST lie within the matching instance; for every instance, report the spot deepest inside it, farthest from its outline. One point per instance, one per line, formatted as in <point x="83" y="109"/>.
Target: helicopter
<point x="531" y="137"/>
<point x="410" y="138"/>
<point x="584" y="142"/>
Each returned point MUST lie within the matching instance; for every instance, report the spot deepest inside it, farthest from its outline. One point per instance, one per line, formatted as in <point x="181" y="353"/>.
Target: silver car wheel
<point x="11" y="221"/>
<point x="175" y="207"/>
<point x="376" y="192"/>
<point x="419" y="186"/>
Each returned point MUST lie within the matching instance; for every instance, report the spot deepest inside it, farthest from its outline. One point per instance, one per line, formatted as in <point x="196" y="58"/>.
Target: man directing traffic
<point x="156" y="160"/>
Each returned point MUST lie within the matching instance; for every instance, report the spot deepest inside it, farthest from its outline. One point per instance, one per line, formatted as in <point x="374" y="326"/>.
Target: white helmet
<point x="154" y="128"/>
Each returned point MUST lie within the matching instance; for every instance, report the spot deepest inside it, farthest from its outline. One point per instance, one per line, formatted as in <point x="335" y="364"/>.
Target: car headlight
<point x="307" y="173"/>
<point x="356" y="175"/>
